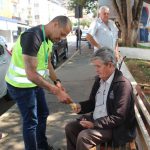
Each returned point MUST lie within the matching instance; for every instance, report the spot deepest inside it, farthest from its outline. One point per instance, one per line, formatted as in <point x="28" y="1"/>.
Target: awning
<point x="3" y="25"/>
<point x="7" y="25"/>
<point x="12" y="26"/>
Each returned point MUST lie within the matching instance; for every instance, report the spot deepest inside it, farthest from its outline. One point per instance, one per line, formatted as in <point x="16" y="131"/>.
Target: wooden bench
<point x="142" y="113"/>
<point x="109" y="146"/>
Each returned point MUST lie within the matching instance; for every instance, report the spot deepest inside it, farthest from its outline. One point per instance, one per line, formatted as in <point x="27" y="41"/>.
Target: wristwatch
<point x="57" y="80"/>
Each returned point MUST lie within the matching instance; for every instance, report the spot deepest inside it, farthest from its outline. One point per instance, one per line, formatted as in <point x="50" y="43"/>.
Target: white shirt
<point x="105" y="35"/>
<point x="101" y="98"/>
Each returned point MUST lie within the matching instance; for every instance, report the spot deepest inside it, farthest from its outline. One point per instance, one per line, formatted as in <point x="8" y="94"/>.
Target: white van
<point x="5" y="57"/>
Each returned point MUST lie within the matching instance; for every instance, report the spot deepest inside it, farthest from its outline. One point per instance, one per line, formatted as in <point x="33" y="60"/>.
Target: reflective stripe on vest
<point x="22" y="71"/>
<point x="18" y="79"/>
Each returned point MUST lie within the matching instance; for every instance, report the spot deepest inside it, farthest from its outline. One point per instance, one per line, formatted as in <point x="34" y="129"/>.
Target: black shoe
<point x="49" y="147"/>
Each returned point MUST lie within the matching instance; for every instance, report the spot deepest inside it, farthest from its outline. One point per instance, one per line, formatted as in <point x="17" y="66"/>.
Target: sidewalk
<point x="77" y="76"/>
<point x="136" y="53"/>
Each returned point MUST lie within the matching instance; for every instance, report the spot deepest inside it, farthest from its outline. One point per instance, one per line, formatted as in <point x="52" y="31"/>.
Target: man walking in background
<point x="78" y="38"/>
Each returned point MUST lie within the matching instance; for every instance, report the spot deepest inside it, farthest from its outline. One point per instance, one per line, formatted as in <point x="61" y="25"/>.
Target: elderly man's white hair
<point x="104" y="54"/>
<point x="103" y="8"/>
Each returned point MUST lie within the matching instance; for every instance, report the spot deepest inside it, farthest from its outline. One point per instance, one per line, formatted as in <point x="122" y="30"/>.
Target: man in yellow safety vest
<point x="25" y="78"/>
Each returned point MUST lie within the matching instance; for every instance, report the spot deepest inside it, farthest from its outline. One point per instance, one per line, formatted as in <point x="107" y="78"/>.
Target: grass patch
<point x="140" y="69"/>
<point x="143" y="47"/>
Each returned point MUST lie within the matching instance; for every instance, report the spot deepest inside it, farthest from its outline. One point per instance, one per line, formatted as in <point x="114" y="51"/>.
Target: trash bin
<point x="143" y="34"/>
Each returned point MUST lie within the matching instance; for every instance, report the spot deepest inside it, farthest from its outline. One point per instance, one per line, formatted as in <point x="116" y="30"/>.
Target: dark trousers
<point x="34" y="111"/>
<point x="78" y="42"/>
<point x="79" y="138"/>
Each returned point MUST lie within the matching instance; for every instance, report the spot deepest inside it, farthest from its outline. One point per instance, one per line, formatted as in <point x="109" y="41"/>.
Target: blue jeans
<point x="34" y="111"/>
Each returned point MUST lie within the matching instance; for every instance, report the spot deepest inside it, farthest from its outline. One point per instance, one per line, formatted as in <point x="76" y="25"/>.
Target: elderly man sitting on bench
<point x="110" y="108"/>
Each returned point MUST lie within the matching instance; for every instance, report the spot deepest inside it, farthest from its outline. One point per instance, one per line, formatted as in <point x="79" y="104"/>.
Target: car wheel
<point x="65" y="52"/>
<point x="54" y="60"/>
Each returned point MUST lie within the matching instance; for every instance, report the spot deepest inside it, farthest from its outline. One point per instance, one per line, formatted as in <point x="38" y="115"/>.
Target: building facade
<point x="18" y="15"/>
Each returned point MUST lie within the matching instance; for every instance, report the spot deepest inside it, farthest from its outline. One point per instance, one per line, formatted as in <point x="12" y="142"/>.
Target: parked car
<point x="83" y="37"/>
<point x="5" y="57"/>
<point x="59" y="52"/>
<point x="3" y="40"/>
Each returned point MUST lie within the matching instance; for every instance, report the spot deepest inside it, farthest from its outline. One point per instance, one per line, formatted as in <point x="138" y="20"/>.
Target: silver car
<point x="5" y="57"/>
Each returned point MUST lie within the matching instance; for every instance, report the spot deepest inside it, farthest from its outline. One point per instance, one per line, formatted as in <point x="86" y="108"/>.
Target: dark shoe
<point x="49" y="147"/>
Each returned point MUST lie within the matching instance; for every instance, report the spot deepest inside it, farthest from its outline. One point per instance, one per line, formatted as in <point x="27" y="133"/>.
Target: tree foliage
<point x="85" y="22"/>
<point x="88" y="5"/>
<point x="74" y="3"/>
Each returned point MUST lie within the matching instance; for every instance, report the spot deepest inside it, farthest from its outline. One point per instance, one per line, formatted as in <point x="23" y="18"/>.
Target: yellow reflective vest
<point x="16" y="75"/>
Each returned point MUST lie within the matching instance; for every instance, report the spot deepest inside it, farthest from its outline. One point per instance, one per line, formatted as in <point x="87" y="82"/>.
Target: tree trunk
<point x="129" y="18"/>
<point x="129" y="37"/>
<point x="123" y="34"/>
<point x="132" y="39"/>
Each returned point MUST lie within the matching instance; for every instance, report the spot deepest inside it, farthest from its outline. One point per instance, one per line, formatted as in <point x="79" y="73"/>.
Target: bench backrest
<point x="142" y="111"/>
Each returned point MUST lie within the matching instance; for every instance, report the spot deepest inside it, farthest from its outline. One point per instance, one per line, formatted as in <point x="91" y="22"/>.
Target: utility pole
<point x="79" y="35"/>
<point x="78" y="14"/>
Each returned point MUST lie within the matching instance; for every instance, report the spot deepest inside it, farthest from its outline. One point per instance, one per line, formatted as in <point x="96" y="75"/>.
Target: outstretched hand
<point x="87" y="124"/>
<point x="61" y="95"/>
<point x="76" y="107"/>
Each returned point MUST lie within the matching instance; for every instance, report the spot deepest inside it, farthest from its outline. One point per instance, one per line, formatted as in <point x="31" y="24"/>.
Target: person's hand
<point x="76" y="107"/>
<point x="59" y="85"/>
<point x="98" y="46"/>
<point x="87" y="124"/>
<point x="60" y="94"/>
<point x="117" y="54"/>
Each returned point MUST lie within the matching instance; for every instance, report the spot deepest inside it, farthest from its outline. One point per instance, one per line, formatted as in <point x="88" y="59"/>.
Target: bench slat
<point x="105" y="146"/>
<point x="144" y="110"/>
<point x="142" y="127"/>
